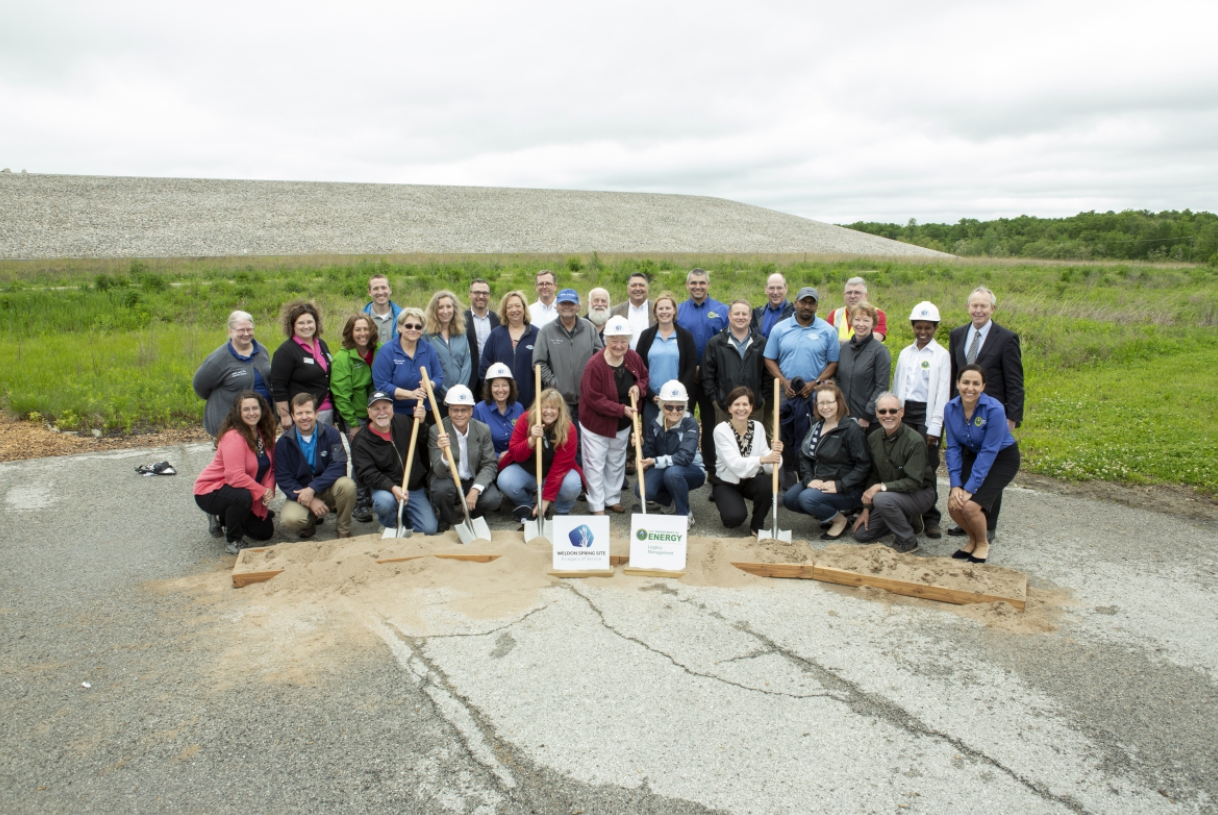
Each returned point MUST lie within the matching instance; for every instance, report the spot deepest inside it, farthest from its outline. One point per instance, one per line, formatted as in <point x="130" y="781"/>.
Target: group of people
<point x="856" y="444"/>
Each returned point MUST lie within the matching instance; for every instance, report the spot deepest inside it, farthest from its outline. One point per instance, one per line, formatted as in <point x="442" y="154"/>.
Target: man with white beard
<point x="598" y="309"/>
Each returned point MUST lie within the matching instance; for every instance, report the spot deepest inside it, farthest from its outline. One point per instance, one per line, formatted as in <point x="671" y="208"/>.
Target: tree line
<point x="1130" y="235"/>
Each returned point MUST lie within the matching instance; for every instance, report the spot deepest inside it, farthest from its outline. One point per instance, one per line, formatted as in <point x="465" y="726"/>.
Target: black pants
<point x="730" y="500"/>
<point x="915" y="417"/>
<point x="706" y="415"/>
<point x="444" y="496"/>
<point x="235" y="505"/>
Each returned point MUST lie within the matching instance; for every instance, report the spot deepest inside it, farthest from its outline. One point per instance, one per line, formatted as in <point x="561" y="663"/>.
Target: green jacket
<point x="900" y="461"/>
<point x="350" y="385"/>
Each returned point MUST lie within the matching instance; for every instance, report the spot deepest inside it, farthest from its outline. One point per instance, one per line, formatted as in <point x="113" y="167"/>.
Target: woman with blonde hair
<point x="445" y="330"/>
<point x="512" y="344"/>
<point x="548" y="424"/>
<point x="396" y="369"/>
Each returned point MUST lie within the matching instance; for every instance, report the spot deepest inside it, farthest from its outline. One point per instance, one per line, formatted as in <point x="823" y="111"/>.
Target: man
<point x="378" y="455"/>
<point x="544" y="310"/>
<point x="736" y="357"/>
<point x="777" y="309"/>
<point x="801" y="350"/>
<point x="598" y="309"/>
<point x="384" y="312"/>
<point x="311" y="469"/>
<point x="703" y="317"/>
<point x="856" y="292"/>
<point x="902" y="480"/>
<point x="637" y="309"/>
<point x="996" y="350"/>
<point x="474" y="453"/>
<point x="563" y="349"/>
<point x="479" y="322"/>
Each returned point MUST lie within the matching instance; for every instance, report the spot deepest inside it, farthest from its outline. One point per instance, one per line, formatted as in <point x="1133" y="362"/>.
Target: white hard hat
<point x="618" y="327"/>
<point x="924" y="311"/>
<point x="459" y="395"/>
<point x="499" y="371"/>
<point x="673" y="391"/>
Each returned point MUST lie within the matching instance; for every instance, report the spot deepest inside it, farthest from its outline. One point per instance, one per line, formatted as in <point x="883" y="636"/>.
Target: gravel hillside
<point x="93" y="216"/>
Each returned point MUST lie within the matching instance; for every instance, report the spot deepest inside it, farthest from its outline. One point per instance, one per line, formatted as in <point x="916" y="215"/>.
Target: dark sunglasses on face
<point x="674" y="408"/>
<point x="412" y="326"/>
<point x="889" y="412"/>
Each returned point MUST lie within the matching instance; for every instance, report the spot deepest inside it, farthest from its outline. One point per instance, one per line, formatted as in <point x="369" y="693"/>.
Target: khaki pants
<point x="340" y="498"/>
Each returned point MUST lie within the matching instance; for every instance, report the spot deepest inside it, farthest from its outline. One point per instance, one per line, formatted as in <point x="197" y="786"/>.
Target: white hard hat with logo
<point x="459" y="395"/>
<point x="618" y="327"/>
<point x="499" y="371"/>
<point x="924" y="311"/>
<point x="673" y="391"/>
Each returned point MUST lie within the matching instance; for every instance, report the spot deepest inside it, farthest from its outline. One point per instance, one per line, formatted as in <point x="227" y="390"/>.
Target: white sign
<point x="658" y="542"/>
<point x="581" y="543"/>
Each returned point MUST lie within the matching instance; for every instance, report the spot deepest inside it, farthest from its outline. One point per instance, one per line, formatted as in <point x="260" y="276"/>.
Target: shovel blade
<point x="783" y="535"/>
<point x="402" y="530"/>
<point x="472" y="530"/>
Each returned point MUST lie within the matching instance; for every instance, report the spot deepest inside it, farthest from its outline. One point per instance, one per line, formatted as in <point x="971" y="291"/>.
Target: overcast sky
<point x="834" y="111"/>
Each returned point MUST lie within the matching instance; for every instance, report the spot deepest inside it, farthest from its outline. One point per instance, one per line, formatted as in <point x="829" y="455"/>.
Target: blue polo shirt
<point x="703" y="321"/>
<point x="501" y="425"/>
<point x="803" y="351"/>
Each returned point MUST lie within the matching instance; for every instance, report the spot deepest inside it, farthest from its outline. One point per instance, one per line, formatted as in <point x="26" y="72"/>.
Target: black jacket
<point x="292" y="471"/>
<point x="1002" y="361"/>
<point x="378" y="465"/>
<point x="841" y="456"/>
<point x="475" y="385"/>
<point x="291" y="374"/>
<point x="687" y="368"/>
<point x="723" y="369"/>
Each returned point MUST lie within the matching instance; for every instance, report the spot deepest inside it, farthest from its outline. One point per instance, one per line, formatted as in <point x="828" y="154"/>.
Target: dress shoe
<point x="960" y="554"/>
<point x="956" y="532"/>
<point x="618" y="508"/>
<point x="934" y="532"/>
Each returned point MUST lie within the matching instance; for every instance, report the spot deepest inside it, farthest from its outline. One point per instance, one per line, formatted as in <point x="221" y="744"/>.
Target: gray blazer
<point x="623" y="310"/>
<point x="483" y="462"/>
<point x="863" y="374"/>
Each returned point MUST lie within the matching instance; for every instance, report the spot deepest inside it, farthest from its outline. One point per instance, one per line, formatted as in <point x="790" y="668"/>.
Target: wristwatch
<point x="883" y="487"/>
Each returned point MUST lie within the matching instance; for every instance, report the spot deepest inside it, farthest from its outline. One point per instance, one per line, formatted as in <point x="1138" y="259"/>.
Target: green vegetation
<point x="1129" y="235"/>
<point x="1121" y="359"/>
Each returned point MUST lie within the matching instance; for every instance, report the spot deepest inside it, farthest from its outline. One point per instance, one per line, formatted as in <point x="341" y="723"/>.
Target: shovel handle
<point x="778" y="466"/>
<point x="537" y="402"/>
<point x="414" y="437"/>
<point x="638" y="451"/>
<point x="435" y="410"/>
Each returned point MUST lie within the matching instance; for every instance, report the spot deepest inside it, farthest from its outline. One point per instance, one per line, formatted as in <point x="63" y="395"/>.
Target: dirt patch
<point x="880" y="561"/>
<point x="21" y="440"/>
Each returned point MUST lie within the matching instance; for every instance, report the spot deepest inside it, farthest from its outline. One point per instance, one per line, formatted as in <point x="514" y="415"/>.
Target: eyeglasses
<point x="889" y="412"/>
<point x="412" y="326"/>
<point x="674" y="408"/>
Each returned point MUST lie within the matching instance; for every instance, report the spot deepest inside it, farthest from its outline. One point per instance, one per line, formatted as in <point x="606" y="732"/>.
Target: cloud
<point x="879" y="111"/>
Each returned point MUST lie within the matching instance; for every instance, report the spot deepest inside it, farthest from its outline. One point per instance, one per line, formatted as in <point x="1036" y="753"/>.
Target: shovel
<point x="783" y="535"/>
<point x="637" y="426"/>
<point x="537" y="526"/>
<point x="470" y="530"/>
<point x="404" y="531"/>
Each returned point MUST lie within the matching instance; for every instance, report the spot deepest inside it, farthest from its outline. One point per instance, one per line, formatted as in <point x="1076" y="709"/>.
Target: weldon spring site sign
<point x="581" y="543"/>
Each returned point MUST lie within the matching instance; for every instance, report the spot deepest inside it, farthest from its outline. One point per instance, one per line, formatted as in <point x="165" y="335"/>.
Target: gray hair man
<point x="855" y="293"/>
<point x="563" y="349"/>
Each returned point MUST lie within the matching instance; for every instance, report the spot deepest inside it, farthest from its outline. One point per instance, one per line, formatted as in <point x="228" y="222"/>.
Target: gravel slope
<point x="93" y="216"/>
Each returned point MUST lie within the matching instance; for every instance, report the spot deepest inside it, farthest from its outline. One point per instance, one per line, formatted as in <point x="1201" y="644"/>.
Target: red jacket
<point x="599" y="409"/>
<point x="520" y="453"/>
<point x="235" y="464"/>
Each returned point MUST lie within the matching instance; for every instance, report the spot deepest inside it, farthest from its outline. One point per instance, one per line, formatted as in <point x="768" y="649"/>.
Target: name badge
<point x="308" y="361"/>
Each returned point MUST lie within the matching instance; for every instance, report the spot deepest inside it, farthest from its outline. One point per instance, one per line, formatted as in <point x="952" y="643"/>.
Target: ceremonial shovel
<point x="404" y="531"/>
<point x="538" y="526"/>
<point x="638" y="453"/>
<point x="471" y="529"/>
<point x="785" y="534"/>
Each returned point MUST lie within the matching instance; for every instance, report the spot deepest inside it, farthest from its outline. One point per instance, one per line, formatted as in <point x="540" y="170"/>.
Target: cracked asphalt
<point x="652" y="697"/>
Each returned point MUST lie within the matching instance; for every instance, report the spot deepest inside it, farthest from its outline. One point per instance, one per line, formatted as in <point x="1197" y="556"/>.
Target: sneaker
<point x="522" y="513"/>
<point x="362" y="514"/>
<point x="214" y="526"/>
<point x="233" y="547"/>
<point x="905" y="548"/>
<point x="934" y="532"/>
<point x="667" y="509"/>
<point x="690" y="524"/>
<point x="653" y="506"/>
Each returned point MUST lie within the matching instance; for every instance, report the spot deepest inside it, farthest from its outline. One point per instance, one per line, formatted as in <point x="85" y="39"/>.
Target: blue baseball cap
<point x="568" y="296"/>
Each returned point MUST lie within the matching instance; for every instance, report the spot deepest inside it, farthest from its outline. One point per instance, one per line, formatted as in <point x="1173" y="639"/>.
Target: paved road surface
<point x="668" y="699"/>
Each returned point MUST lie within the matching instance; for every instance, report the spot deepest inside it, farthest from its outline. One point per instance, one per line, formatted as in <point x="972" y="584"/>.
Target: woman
<point x="863" y="367"/>
<point x="396" y="369"/>
<point x="833" y="464"/>
<point x="302" y="363"/>
<point x="672" y="463"/>
<point x="613" y="377"/>
<point x="350" y="387"/>
<point x="445" y="330"/>
<point x="240" y="364"/>
<point x="511" y="343"/>
<point x="982" y="458"/>
<point x="239" y="483"/>
<point x="500" y="409"/>
<point x="549" y="424"/>
<point x="744" y="464"/>
<point x="668" y="351"/>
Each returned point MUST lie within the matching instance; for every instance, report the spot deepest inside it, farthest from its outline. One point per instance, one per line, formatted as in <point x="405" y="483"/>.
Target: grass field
<point x="1121" y="359"/>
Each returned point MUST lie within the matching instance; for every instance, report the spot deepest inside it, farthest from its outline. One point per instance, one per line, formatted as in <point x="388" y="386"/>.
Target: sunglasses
<point x="412" y="326"/>
<point x="889" y="412"/>
<point x="674" y="408"/>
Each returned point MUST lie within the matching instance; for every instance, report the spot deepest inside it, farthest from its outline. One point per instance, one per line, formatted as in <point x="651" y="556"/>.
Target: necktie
<point x="970" y="356"/>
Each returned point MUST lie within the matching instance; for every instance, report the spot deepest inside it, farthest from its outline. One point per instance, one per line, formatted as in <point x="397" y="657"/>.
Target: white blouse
<point x="732" y="467"/>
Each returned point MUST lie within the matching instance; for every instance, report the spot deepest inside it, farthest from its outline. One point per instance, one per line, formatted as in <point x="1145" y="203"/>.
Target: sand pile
<point x="880" y="561"/>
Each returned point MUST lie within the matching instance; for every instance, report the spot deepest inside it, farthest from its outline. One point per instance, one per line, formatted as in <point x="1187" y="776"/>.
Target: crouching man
<point x="902" y="480"/>
<point x="311" y="469"/>
<point x="474" y="452"/>
<point x="378" y="457"/>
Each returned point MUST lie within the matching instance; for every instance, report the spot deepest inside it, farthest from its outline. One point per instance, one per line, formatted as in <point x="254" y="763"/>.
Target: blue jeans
<point x="419" y="515"/>
<point x="820" y="505"/>
<point x="519" y="485"/>
<point x="672" y="484"/>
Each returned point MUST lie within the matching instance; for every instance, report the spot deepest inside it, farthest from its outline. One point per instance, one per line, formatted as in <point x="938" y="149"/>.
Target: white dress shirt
<point x="540" y="314"/>
<point x="639" y="318"/>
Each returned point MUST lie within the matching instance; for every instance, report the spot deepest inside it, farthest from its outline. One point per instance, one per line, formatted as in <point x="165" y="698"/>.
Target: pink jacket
<point x="236" y="465"/>
<point x="599" y="408"/>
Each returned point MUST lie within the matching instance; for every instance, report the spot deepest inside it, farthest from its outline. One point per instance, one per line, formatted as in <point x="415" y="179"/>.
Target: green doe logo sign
<point x="657" y="537"/>
<point x="641" y="534"/>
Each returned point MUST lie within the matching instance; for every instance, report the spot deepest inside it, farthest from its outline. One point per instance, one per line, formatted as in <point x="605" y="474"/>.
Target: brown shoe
<point x="344" y="534"/>
<point x="618" y="508"/>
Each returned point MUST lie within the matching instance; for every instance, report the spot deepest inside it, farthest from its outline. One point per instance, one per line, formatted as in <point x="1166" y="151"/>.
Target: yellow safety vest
<point x="842" y="323"/>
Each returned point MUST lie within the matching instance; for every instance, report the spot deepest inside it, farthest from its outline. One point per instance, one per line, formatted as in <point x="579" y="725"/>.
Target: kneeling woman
<point x="239" y="483"/>
<point x="744" y="464"/>
<point x="672" y="464"/>
<point x="833" y="465"/>
<point x="982" y="458"/>
<point x="559" y="441"/>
